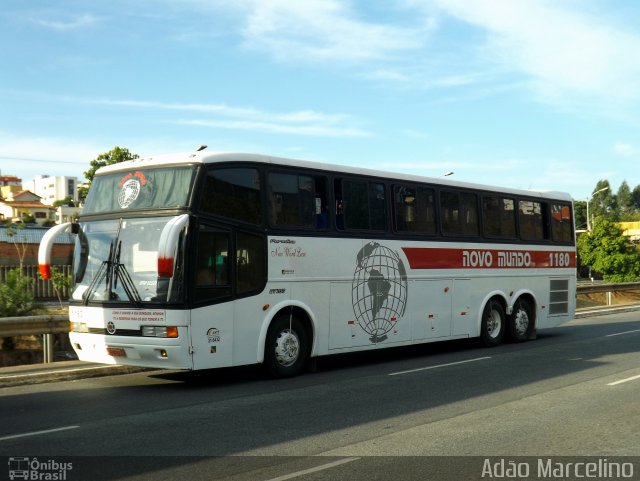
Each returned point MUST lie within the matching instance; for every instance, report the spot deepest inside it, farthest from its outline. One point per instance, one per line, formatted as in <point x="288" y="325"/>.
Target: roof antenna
<point x="202" y="147"/>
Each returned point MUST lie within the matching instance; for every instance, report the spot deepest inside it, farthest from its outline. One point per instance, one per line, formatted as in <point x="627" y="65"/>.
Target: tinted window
<point x="531" y="220"/>
<point x="414" y="209"/>
<point x="360" y="205"/>
<point x="297" y="200"/>
<point x="459" y="213"/>
<point x="233" y="193"/>
<point x="561" y="223"/>
<point x="250" y="263"/>
<point x="498" y="217"/>
<point x="212" y="264"/>
<point x="139" y="189"/>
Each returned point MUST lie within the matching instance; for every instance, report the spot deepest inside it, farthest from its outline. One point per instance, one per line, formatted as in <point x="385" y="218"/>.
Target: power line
<point x="46" y="161"/>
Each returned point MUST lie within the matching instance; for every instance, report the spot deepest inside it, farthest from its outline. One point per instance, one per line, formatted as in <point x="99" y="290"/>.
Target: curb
<point x="49" y="373"/>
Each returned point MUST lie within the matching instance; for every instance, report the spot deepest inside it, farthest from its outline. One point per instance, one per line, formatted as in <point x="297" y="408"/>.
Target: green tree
<point x="66" y="202"/>
<point x="607" y="251"/>
<point x="580" y="212"/>
<point x="602" y="203"/>
<point x="60" y="282"/>
<point x="114" y="156"/>
<point x="624" y="202"/>
<point x="16" y="298"/>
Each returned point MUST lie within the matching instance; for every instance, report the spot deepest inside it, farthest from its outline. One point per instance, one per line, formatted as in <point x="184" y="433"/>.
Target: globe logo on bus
<point x="129" y="193"/>
<point x="379" y="290"/>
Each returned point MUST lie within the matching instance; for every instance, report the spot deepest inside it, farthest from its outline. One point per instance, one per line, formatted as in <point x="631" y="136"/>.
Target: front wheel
<point x="493" y="324"/>
<point x="287" y="347"/>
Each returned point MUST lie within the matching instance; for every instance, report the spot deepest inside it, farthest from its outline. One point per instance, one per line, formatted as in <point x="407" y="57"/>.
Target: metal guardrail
<point x="35" y="325"/>
<point x="608" y="289"/>
<point x="48" y="325"/>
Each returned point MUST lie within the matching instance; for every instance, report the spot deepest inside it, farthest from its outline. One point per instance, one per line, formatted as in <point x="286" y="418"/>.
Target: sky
<point x="532" y="94"/>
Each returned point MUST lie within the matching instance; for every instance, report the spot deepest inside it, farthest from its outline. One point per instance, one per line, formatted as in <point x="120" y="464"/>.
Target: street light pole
<point x="589" y="201"/>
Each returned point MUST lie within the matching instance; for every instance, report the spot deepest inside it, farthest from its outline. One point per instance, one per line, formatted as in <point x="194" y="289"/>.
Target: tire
<point x="286" y="347"/>
<point x="493" y="324"/>
<point x="521" y="321"/>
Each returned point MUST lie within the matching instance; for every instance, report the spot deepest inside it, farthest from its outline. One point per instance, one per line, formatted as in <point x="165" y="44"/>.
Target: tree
<point x="624" y="202"/>
<point x="67" y="202"/>
<point x="603" y="204"/>
<point x="607" y="251"/>
<point x="580" y="212"/>
<point x="114" y="156"/>
<point x="60" y="281"/>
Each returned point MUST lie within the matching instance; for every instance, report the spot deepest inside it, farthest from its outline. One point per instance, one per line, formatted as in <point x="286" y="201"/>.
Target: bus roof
<point x="202" y="157"/>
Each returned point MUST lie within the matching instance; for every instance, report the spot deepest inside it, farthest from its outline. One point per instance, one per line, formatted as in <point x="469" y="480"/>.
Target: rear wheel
<point x="287" y="347"/>
<point x="521" y="321"/>
<point x="493" y="324"/>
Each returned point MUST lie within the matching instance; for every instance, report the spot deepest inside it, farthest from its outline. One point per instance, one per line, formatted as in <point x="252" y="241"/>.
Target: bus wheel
<point x="286" y="349"/>
<point x="521" y="322"/>
<point x="493" y="324"/>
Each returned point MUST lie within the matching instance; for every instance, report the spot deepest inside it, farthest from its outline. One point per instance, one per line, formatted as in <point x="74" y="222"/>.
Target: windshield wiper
<point x="112" y="270"/>
<point x="103" y="272"/>
<point x="120" y="273"/>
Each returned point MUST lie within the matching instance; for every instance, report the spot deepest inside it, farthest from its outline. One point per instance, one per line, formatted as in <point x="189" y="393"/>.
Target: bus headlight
<point x="159" y="331"/>
<point x="79" y="327"/>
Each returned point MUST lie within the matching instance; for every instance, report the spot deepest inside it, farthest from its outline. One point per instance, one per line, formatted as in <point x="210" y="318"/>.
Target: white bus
<point x="199" y="261"/>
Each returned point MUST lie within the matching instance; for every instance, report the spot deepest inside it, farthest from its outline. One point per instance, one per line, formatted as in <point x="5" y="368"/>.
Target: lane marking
<point x="314" y="470"/>
<point x="632" y="378"/>
<point x="36" y="433"/>
<point x="439" y="365"/>
<point x="621" y="333"/>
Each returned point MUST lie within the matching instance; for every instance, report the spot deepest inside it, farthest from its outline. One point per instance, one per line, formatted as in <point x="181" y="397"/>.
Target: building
<point x="15" y="205"/>
<point x="10" y="180"/>
<point x="52" y="188"/>
<point x="631" y="230"/>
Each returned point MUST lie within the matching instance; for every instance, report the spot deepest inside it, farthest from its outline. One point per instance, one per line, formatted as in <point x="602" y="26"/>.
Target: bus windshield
<point x="117" y="261"/>
<point x="158" y="188"/>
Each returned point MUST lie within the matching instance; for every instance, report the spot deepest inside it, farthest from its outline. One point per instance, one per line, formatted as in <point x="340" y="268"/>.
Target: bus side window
<point x="212" y="267"/>
<point x="561" y="224"/>
<point x="531" y="220"/>
<point x="297" y="200"/>
<point x="251" y="270"/>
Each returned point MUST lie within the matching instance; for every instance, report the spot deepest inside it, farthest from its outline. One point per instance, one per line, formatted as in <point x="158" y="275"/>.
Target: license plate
<point x="116" y="352"/>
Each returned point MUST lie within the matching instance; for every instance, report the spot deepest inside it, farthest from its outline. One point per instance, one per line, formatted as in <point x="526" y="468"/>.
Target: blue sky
<point x="527" y="94"/>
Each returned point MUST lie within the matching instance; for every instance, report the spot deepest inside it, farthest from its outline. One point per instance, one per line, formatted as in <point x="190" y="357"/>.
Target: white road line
<point x="621" y="333"/>
<point x="313" y="470"/>
<point x="632" y="378"/>
<point x="36" y="433"/>
<point x="439" y="365"/>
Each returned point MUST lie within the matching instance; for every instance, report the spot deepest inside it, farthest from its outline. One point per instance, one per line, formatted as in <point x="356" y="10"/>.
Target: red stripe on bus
<point x="448" y="258"/>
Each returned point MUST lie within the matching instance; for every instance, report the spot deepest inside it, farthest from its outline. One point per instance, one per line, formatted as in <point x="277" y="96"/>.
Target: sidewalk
<point x="71" y="370"/>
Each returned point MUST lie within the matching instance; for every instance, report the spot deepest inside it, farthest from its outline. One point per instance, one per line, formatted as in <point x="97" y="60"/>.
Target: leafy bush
<point x="16" y="298"/>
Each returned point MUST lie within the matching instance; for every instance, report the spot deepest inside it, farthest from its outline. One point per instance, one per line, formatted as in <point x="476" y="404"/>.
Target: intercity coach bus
<point x="206" y="260"/>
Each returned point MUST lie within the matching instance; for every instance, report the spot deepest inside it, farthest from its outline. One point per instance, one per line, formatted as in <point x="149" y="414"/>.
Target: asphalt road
<point x="439" y="411"/>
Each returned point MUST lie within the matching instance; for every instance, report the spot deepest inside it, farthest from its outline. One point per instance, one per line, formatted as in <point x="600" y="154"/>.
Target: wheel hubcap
<point x="521" y="321"/>
<point x="287" y="348"/>
<point x="493" y="324"/>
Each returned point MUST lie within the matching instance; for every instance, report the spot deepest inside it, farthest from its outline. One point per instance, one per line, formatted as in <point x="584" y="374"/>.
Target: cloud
<point x="321" y="30"/>
<point x="72" y="23"/>
<point x="276" y="128"/>
<point x="302" y="122"/>
<point x="625" y="150"/>
<point x="568" y="54"/>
